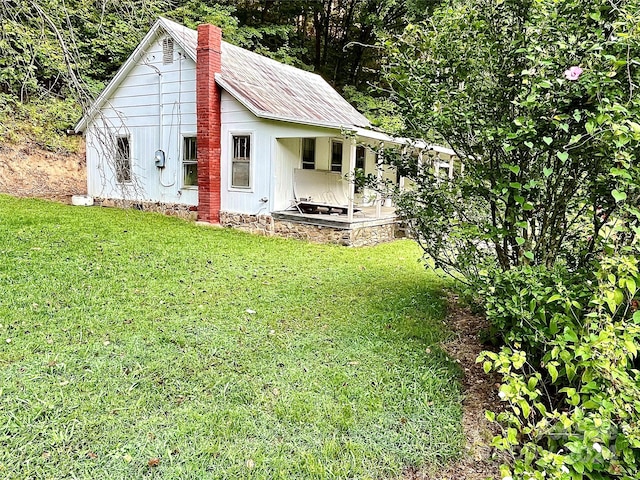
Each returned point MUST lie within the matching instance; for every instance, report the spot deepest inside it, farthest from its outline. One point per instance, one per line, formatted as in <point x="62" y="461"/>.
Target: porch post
<point x="352" y="177"/>
<point x="379" y="179"/>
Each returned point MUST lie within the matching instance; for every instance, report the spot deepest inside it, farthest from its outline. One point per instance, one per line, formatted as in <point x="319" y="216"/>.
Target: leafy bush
<point x="538" y="100"/>
<point x="529" y="305"/>
<point x="574" y="412"/>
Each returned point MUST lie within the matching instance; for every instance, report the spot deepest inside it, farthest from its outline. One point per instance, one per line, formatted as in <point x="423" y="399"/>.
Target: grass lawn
<point x="136" y="345"/>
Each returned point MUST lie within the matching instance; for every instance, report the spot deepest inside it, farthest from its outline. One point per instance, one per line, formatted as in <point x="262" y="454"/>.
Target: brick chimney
<point x="209" y="61"/>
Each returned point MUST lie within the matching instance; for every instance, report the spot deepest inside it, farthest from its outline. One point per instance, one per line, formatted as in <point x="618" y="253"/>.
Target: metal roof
<point x="271" y="89"/>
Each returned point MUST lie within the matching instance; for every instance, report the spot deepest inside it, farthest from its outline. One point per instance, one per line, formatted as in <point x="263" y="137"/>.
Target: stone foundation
<point x="353" y="237"/>
<point x="268" y="226"/>
<point x="188" y="212"/>
<point x="260" y="224"/>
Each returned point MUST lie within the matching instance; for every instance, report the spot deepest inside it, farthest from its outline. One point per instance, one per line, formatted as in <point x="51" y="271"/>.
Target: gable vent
<point x="167" y="51"/>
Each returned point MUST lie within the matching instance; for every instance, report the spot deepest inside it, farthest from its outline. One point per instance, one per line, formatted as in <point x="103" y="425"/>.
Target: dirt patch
<point x="28" y="171"/>
<point x="479" y="460"/>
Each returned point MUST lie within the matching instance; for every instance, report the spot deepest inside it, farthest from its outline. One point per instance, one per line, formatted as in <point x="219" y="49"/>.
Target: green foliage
<point x="40" y="122"/>
<point x="127" y="336"/>
<point x="336" y="38"/>
<point x="538" y="99"/>
<point x="572" y="407"/>
<point x="543" y="148"/>
<point x="530" y="305"/>
<point x="29" y="59"/>
<point x="381" y="112"/>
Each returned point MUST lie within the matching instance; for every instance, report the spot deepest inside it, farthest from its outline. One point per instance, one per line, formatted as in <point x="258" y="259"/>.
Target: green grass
<point x="127" y="337"/>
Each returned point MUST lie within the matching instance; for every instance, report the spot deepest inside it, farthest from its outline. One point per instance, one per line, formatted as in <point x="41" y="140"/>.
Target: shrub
<point x="574" y="412"/>
<point x="529" y="305"/>
<point x="43" y="122"/>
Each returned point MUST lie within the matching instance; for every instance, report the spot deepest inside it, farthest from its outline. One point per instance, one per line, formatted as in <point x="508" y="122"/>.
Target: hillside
<point x="28" y="171"/>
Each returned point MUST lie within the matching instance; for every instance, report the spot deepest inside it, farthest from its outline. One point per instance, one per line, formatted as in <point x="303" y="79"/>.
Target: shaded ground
<point x="479" y="460"/>
<point x="27" y="171"/>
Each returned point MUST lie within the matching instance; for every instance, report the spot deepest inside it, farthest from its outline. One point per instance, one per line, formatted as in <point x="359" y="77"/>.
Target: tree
<point x="538" y="99"/>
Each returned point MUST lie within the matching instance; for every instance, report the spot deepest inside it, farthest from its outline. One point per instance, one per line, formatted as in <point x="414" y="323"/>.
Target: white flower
<point x="508" y="477"/>
<point x="502" y="395"/>
<point x="564" y="469"/>
<point x="597" y="447"/>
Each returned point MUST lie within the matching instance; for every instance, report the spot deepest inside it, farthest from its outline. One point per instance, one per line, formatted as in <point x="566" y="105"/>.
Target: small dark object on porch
<point x="310" y="207"/>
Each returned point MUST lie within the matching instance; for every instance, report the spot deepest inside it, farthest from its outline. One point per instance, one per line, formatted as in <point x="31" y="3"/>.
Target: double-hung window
<point x="189" y="162"/>
<point x="241" y="161"/>
<point x="308" y="153"/>
<point x="336" y="156"/>
<point x="123" y="159"/>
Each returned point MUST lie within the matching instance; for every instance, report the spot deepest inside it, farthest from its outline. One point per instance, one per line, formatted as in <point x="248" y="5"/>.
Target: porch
<point x="370" y="216"/>
<point x="367" y="226"/>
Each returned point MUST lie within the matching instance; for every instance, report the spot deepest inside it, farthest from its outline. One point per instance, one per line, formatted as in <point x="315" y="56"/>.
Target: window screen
<point x="190" y="162"/>
<point x="308" y="153"/>
<point x="123" y="160"/>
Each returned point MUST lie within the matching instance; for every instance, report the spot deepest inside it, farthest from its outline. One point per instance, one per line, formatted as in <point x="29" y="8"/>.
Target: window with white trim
<point x="308" y="153"/>
<point x="336" y="156"/>
<point x="189" y="162"/>
<point x="123" y="159"/>
<point x="241" y="161"/>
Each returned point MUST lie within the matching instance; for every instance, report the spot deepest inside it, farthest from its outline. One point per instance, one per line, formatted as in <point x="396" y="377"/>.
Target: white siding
<point x="275" y="153"/>
<point x="288" y="158"/>
<point x="135" y="108"/>
<point x="157" y="111"/>
<point x="323" y="154"/>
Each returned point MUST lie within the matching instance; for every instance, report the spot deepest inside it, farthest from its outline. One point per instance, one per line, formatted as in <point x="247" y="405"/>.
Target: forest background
<point x="57" y="55"/>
